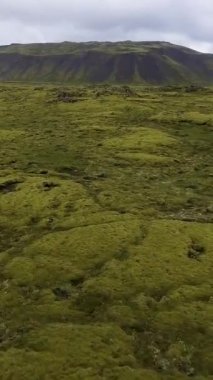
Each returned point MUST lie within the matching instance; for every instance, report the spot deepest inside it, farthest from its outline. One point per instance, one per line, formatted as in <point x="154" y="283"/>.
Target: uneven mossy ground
<point x="106" y="233"/>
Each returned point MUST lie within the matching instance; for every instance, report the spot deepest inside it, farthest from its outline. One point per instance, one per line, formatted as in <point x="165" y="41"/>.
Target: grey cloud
<point x="189" y="21"/>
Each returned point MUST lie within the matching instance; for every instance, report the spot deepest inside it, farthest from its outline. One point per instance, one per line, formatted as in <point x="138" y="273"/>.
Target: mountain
<point x="155" y="63"/>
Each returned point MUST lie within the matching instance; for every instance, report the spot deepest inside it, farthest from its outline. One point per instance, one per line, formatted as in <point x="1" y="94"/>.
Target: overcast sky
<point x="186" y="22"/>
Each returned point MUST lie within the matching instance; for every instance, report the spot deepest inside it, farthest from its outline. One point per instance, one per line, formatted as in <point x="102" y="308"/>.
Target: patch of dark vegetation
<point x="97" y="269"/>
<point x="92" y="303"/>
<point x="61" y="294"/>
<point x="34" y="220"/>
<point x="78" y="281"/>
<point x="49" y="185"/>
<point x="95" y="176"/>
<point x="43" y="171"/>
<point x="195" y="88"/>
<point x="65" y="96"/>
<point x="107" y="90"/>
<point x="72" y="171"/>
<point x="122" y="255"/>
<point x="38" y="88"/>
<point x="191" y="88"/>
<point x="9" y="186"/>
<point x="196" y="251"/>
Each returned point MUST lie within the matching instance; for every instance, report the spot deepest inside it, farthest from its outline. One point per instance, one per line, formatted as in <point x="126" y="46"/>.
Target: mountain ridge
<point x="151" y="62"/>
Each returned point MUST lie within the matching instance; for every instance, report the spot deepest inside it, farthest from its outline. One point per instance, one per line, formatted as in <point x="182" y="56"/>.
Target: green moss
<point x="64" y="350"/>
<point x="36" y="201"/>
<point x="21" y="269"/>
<point x="145" y="158"/>
<point x="146" y="139"/>
<point x="105" y="234"/>
<point x="9" y="135"/>
<point x="160" y="264"/>
<point x="198" y="118"/>
<point x="65" y="255"/>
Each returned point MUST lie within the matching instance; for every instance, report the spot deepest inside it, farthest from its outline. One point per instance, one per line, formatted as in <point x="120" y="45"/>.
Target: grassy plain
<point x="106" y="233"/>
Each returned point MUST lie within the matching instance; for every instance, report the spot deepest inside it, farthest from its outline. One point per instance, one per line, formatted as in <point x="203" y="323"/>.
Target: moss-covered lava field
<point x="106" y="233"/>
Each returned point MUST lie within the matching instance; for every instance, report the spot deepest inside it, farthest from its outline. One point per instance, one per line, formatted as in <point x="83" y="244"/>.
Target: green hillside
<point x="106" y="234"/>
<point x="156" y="63"/>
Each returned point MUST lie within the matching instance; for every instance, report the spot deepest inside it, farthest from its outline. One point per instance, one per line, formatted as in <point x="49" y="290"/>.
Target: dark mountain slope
<point x="95" y="62"/>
